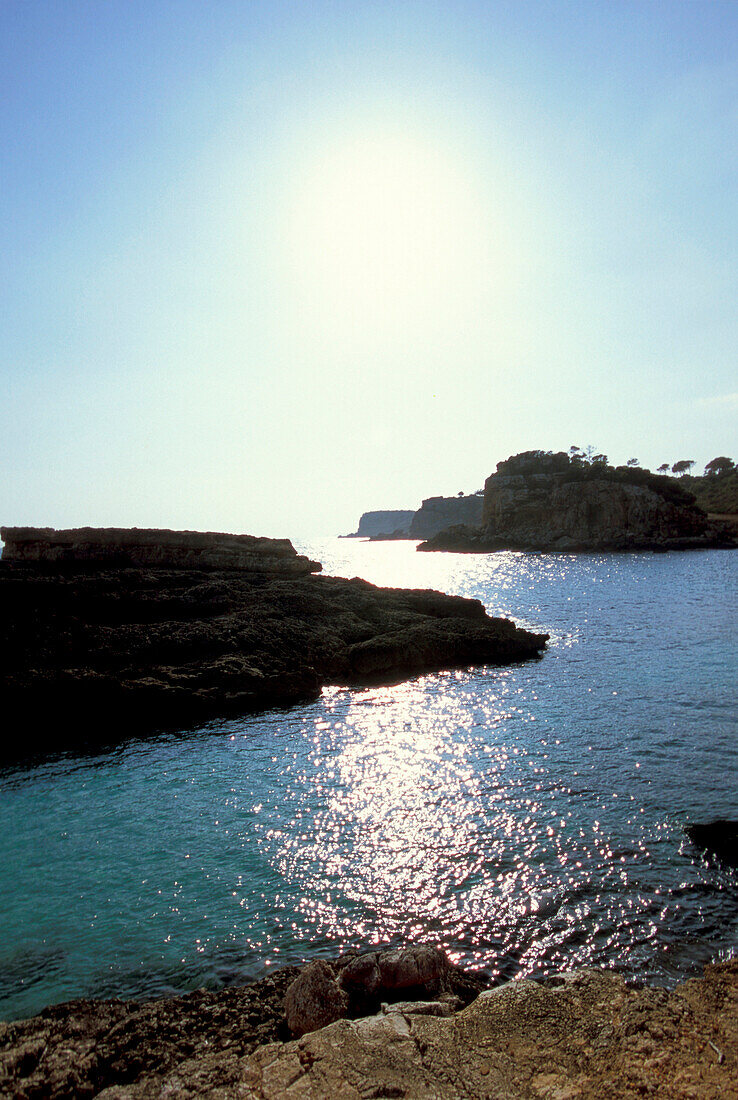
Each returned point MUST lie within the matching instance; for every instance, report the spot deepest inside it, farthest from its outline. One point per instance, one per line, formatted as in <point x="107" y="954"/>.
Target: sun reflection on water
<point x="417" y="815"/>
<point x="527" y="819"/>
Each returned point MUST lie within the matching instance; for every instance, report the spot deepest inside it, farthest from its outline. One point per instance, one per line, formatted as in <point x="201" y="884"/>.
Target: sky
<point x="265" y="266"/>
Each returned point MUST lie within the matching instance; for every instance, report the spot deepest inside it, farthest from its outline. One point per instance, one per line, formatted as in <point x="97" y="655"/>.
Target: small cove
<point x="525" y="818"/>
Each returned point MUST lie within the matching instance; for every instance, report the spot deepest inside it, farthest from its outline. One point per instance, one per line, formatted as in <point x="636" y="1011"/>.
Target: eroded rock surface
<point x="136" y="546"/>
<point x="437" y="513"/>
<point x="386" y="523"/>
<point x="586" y="1035"/>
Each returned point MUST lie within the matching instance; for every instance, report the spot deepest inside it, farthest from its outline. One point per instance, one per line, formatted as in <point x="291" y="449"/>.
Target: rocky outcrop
<point x="161" y="548"/>
<point x="96" y="652"/>
<point x="585" y="1035"/>
<point x="437" y="513"/>
<point x="384" y="524"/>
<point x="358" y="984"/>
<point x="717" y="839"/>
<point x="547" y="502"/>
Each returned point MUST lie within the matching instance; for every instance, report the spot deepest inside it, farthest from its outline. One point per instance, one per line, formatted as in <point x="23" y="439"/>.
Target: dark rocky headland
<point x="555" y="502"/>
<point x="105" y="632"/>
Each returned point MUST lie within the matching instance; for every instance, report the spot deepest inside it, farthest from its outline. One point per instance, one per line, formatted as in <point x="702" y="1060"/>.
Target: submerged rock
<point x="716" y="838"/>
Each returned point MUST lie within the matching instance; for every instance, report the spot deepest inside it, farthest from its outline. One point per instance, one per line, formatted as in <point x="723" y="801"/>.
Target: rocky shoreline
<point x="430" y="1031"/>
<point x="96" y="645"/>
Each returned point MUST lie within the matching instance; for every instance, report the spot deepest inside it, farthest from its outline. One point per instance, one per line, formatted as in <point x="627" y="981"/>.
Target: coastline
<point x="587" y="1033"/>
<point x="151" y="647"/>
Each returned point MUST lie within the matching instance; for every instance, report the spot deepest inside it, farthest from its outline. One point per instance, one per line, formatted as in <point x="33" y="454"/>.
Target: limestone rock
<point x="314" y="999"/>
<point x="418" y="966"/>
<point x="385" y="523"/>
<point x="142" y="647"/>
<point x="580" y="1036"/>
<point x="163" y="548"/>
<point x="537" y="501"/>
<point x="437" y="513"/>
<point x="586" y="1037"/>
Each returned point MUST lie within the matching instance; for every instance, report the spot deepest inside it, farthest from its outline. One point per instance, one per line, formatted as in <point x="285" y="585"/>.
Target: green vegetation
<point x="717" y="493"/>
<point x="586" y="465"/>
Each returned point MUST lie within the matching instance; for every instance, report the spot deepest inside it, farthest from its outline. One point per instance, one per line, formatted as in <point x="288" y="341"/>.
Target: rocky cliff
<point x="437" y="513"/>
<point x="372" y="524"/>
<point x="135" y="546"/>
<point x="538" y="501"/>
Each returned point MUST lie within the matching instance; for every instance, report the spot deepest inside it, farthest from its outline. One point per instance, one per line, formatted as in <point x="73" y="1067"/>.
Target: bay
<point x="527" y="819"/>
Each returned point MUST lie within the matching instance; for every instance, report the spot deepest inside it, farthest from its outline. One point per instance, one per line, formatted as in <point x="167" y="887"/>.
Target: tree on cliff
<point x="683" y="466"/>
<point x="664" y="467"/>
<point x="718" y="466"/>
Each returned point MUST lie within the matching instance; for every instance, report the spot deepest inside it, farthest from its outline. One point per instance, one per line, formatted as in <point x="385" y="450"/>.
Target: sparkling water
<point x="527" y="819"/>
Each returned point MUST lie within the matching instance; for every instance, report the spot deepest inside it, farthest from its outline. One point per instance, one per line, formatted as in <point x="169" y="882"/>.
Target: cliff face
<point x="139" y="547"/>
<point x="384" y="523"/>
<point x="538" y="501"/>
<point x="546" y="512"/>
<point x="437" y="513"/>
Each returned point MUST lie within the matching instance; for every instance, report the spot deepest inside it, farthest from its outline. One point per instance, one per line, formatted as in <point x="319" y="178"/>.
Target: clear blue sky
<point x="268" y="265"/>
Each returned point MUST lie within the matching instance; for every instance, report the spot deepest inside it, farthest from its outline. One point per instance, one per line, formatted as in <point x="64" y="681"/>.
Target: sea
<point x="527" y="819"/>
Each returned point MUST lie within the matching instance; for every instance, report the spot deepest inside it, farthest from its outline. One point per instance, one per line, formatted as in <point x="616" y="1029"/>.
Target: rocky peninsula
<point x="402" y="1023"/>
<point x="555" y="502"/>
<point x="107" y="632"/>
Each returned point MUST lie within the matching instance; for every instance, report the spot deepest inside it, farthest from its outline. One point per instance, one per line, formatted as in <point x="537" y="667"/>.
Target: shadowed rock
<point x="716" y="838"/>
<point x="136" y="546"/>
<point x="538" y="501"/>
<point x="358" y="985"/>
<point x="314" y="999"/>
<point x="92" y="651"/>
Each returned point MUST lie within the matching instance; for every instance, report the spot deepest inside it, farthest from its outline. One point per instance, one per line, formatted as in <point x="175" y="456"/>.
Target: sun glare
<point x="382" y="232"/>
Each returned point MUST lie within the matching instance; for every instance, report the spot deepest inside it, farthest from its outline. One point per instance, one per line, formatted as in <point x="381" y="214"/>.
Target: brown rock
<point x="419" y="966"/>
<point x="314" y="999"/>
<point x="586" y="1035"/>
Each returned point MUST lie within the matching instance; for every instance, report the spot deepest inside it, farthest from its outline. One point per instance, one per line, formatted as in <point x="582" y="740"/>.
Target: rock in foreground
<point x="93" y="651"/>
<point x="586" y="1035"/>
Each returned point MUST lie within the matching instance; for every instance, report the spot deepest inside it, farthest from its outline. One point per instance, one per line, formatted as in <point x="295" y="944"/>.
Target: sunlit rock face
<point x="134" y="546"/>
<point x="437" y="513"/>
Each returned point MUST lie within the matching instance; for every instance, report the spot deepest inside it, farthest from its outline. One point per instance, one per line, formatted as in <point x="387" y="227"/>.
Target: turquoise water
<point x="526" y="818"/>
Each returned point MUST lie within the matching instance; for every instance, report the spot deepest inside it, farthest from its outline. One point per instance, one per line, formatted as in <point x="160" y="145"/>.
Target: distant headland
<point x="577" y="501"/>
